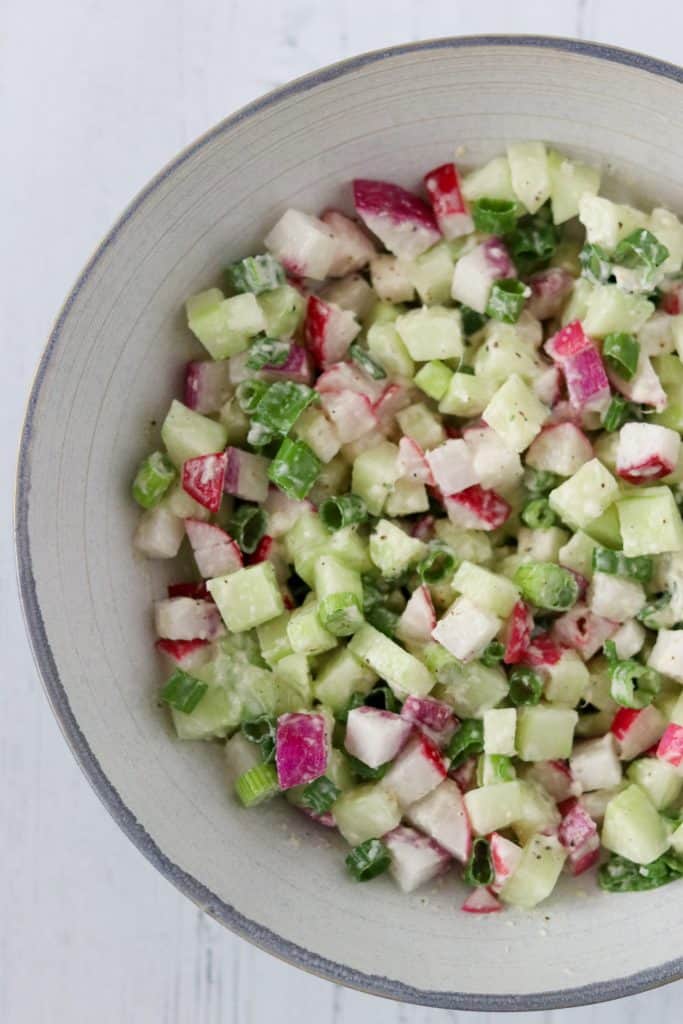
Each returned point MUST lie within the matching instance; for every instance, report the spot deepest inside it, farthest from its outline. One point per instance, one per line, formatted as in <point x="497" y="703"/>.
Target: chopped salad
<point x="428" y="464"/>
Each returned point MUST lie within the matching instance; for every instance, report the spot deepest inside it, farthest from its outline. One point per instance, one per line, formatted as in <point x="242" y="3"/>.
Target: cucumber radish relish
<point x="429" y="467"/>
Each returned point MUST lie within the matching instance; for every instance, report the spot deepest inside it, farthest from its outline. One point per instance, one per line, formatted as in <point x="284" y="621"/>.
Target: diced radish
<point x="402" y="221"/>
<point x="351" y="413"/>
<point x="543" y="651"/>
<point x="670" y="747"/>
<point x="548" y="385"/>
<point x="434" y="717"/>
<point x="581" y="629"/>
<point x="452" y="216"/>
<point x="549" y="290"/>
<point x="347" y="377"/>
<point x="494" y="464"/>
<point x="353" y="293"/>
<point x="481" y="901"/>
<point x="283" y="511"/>
<point x="672" y="299"/>
<point x="393" y="399"/>
<point x="465" y="775"/>
<point x="415" y="859"/>
<point x="417" y="770"/>
<point x="442" y="816"/>
<point x="326" y="819"/>
<point x="667" y="654"/>
<point x="389" y="279"/>
<point x="300" y="748"/>
<point x="182" y="618"/>
<point x="375" y="736"/>
<point x="412" y="461"/>
<point x="329" y="331"/>
<point x="466" y="629"/>
<point x="587" y="383"/>
<point x="615" y="596"/>
<point x="568" y="342"/>
<point x="477" y="509"/>
<point x="159" y="533"/>
<point x="636" y="730"/>
<point x="476" y="271"/>
<point x="185" y="654"/>
<point x="423" y="528"/>
<point x="297" y="367"/>
<point x="195" y="590"/>
<point x="560" y="448"/>
<point x="505" y="857"/>
<point x="452" y="467"/>
<point x="578" y="833"/>
<point x="595" y="763"/>
<point x="644" y="388"/>
<point x="203" y="479"/>
<point x="418" y="618"/>
<point x="517" y="634"/>
<point x="215" y="552"/>
<point x="585" y="857"/>
<point x="305" y="246"/>
<point x="555" y="777"/>
<point x="646" y="452"/>
<point x="354" y="249"/>
<point x="246" y="475"/>
<point x="207" y="385"/>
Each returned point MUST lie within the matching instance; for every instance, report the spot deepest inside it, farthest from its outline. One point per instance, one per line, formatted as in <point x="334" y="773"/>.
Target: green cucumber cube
<point x="577" y="554"/>
<point x="606" y="529"/>
<point x="515" y="413"/>
<point x="471" y="689"/>
<point x="650" y="522"/>
<point x="585" y="496"/>
<point x="633" y="828"/>
<point x="431" y="274"/>
<point x="366" y="812"/>
<point x="577" y="307"/>
<point x="187" y="434"/>
<point x="567" y="680"/>
<point x="669" y="369"/>
<point x="375" y="472"/>
<point x="486" y="589"/>
<point x="538" y="812"/>
<point x="248" y="597"/>
<point x="342" y="675"/>
<point x="536" y="874"/>
<point x="306" y="634"/>
<point x="432" y="332"/>
<point x="224" y="326"/>
<point x="293" y="680"/>
<point x="500" y="725"/>
<point x="467" y="395"/>
<point x="273" y="639"/>
<point x="385" y="345"/>
<point x="283" y="310"/>
<point x="407" y="497"/>
<point x="495" y="807"/>
<point x="545" y="733"/>
<point x="392" y="550"/>
<point x="660" y="780"/>
<point x="492" y="181"/>
<point x="424" y="426"/>
<point x="402" y="671"/>
<point x="612" y="310"/>
<point x="569" y="181"/>
<point x="529" y="173"/>
<point x="434" y="378"/>
<point x="217" y="714"/>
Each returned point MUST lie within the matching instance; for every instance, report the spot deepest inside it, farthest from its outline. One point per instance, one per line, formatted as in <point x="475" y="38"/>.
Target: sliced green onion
<point x="494" y="216"/>
<point x="493" y="654"/>
<point x="294" y="469"/>
<point x="540" y="481"/>
<point x="632" y="685"/>
<point x="368" y="860"/>
<point x="507" y="299"/>
<point x="255" y="274"/>
<point x="247" y="526"/>
<point x="249" y="393"/>
<point x="320" y="794"/>
<point x="267" y="352"/>
<point x="640" y="249"/>
<point x="364" y="771"/>
<point x="437" y="565"/>
<point x="153" y="478"/>
<point x="468" y="370"/>
<point x="383" y="619"/>
<point x="596" y="265"/>
<point x="345" y="510"/>
<point x="618" y="411"/>
<point x="257" y="784"/>
<point x="503" y="768"/>
<point x="526" y="687"/>
<point x="281" y="405"/>
<point x="479" y="869"/>
<point x="471" y="323"/>
<point x="259" y="436"/>
<point x="621" y="352"/>
<point x="262" y="731"/>
<point x="547" y="585"/>
<point x="382" y="697"/>
<point x="653" y="614"/>
<point x="467" y="740"/>
<point x="340" y="614"/>
<point x="183" y="692"/>
<point x="366" y="362"/>
<point x="532" y="244"/>
<point x="616" y="563"/>
<point x="622" y="875"/>
<point x="538" y="515"/>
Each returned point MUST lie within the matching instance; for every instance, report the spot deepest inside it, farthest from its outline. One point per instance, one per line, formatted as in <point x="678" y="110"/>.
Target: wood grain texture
<point x="94" y="98"/>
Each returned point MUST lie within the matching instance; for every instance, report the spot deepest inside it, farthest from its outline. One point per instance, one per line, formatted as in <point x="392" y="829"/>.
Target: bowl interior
<point x="113" y="364"/>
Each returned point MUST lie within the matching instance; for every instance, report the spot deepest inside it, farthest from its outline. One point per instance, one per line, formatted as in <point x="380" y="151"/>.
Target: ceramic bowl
<point x="108" y="373"/>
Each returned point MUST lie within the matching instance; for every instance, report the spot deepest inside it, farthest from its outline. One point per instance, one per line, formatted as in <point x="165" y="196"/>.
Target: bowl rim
<point x="201" y="895"/>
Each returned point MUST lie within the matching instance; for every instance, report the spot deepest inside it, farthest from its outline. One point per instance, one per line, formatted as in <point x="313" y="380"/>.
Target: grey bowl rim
<point x="209" y="902"/>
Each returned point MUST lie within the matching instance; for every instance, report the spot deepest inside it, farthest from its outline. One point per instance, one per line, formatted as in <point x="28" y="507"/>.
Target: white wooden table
<point x="94" y="97"/>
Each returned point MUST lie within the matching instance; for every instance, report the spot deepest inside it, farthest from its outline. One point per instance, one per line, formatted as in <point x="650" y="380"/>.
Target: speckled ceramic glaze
<point x="110" y="368"/>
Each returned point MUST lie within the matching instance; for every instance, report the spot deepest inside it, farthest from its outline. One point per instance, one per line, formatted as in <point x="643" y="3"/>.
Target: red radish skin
<point x="543" y="650"/>
<point x="207" y="385"/>
<point x="477" y="509"/>
<point x="443" y="187"/>
<point x="297" y="367"/>
<point x="417" y="770"/>
<point x="568" y="342"/>
<point x="646" y="452"/>
<point x="375" y="736"/>
<point x="587" y="382"/>
<point x="418" y="619"/>
<point x="246" y="475"/>
<point x="549" y="291"/>
<point x="393" y="399"/>
<point x="413" y="463"/>
<point x="560" y="448"/>
<point x="351" y="413"/>
<point x="195" y="590"/>
<point x="347" y="377"/>
<point x="670" y="747"/>
<point x="434" y="717"/>
<point x="482" y="901"/>
<point x="326" y="819"/>
<point x="586" y="857"/>
<point x="300" y="749"/>
<point x="328" y="330"/>
<point x="517" y="634"/>
<point x="644" y="472"/>
<point x="582" y="630"/>
<point x="401" y="220"/>
<point x="672" y="300"/>
<point x="636" y="730"/>
<point x="354" y="249"/>
<point x="182" y="618"/>
<point x="415" y="859"/>
<point x="505" y="857"/>
<point x="465" y="775"/>
<point x="203" y="479"/>
<point x="576" y="826"/>
<point x="185" y="654"/>
<point x="214" y="550"/>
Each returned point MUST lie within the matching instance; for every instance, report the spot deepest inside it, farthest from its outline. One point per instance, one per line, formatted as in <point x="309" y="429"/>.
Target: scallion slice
<point x="345" y="510"/>
<point x="183" y="692"/>
<point x="471" y="323"/>
<point x="281" y="405"/>
<point x="437" y="565"/>
<point x="616" y="563"/>
<point x="493" y="655"/>
<point x="632" y="685"/>
<point x="363" y="359"/>
<point x="368" y="860"/>
<point x="618" y="411"/>
<point x="294" y="469"/>
<point x="640" y="249"/>
<point x="249" y="393"/>
<point x="596" y="265"/>
<point x="320" y="794"/>
<point x="621" y="352"/>
<point x="467" y="740"/>
<point x="153" y="478"/>
<point x="532" y="244"/>
<point x="494" y="216"/>
<point x="526" y="687"/>
<point x="507" y="299"/>
<point x="257" y="784"/>
<point x="261" y="730"/>
<point x="538" y="515"/>
<point x="547" y="585"/>
<point x="247" y="527"/>
<point x="479" y="869"/>
<point x="340" y="614"/>
<point x="267" y="352"/>
<point x="255" y="274"/>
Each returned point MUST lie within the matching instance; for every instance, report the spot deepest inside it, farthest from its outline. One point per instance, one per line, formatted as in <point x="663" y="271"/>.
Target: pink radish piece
<point x="517" y="634"/>
<point x="578" y="833"/>
<point x="494" y="464"/>
<point x="283" y="511"/>
<point x="246" y="475"/>
<point x="351" y="413"/>
<point x="159" y="533"/>
<point x="672" y="300"/>
<point x="587" y="383"/>
<point x="644" y="388"/>
<point x="433" y="717"/>
<point x="567" y="342"/>
<point x="581" y="629"/>
<point x="415" y="859"/>
<point x="482" y="901"/>
<point x="185" y="654"/>
<point x="543" y="650"/>
<point x="215" y="552"/>
<point x="207" y="385"/>
<point x="465" y="775"/>
<point x="393" y="399"/>
<point x="347" y="377"/>
<point x="402" y="221"/>
<point x="505" y="857"/>
<point x="203" y="479"/>
<point x="297" y="367"/>
<point x="595" y="763"/>
<point x="375" y="736"/>
<point x="452" y="467"/>
<point x="646" y="452"/>
<point x="195" y="590"/>
<point x="670" y="747"/>
<point x="182" y="618"/>
<point x="443" y="817"/>
<point x="555" y="777"/>
<point x="548" y="385"/>
<point x="636" y="730"/>
<point x="354" y="249"/>
<point x="477" y="509"/>
<point x="452" y="215"/>
<point x="300" y="749"/>
<point x="476" y="271"/>
<point x="560" y="448"/>
<point x="418" y="619"/>
<point x="417" y="770"/>
<point x="549" y="290"/>
<point x="329" y="331"/>
<point x="413" y="462"/>
<point x="423" y="528"/>
<point x="305" y="246"/>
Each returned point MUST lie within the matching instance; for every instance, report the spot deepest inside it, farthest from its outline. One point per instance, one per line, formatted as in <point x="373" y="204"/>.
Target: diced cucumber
<point x="492" y="181"/>
<point x="431" y="274"/>
<point x="577" y="307"/>
<point x="569" y="181"/>
<point x="471" y="689"/>
<point x="283" y="309"/>
<point x="433" y="378"/>
<point x="224" y="326"/>
<point x="216" y="715"/>
<point x="542" y="545"/>
<point x="567" y="680"/>
<point x="500" y="725"/>
<point x="504" y="353"/>
<point x="273" y="640"/>
<point x="669" y="369"/>
<point x="467" y="395"/>
<point x="235" y="421"/>
<point x="585" y="496"/>
<point x="305" y="633"/>
<point x="366" y="812"/>
<point x="606" y="223"/>
<point x="677" y="841"/>
<point x="341" y="675"/>
<point x="386" y="346"/>
<point x="248" y="597"/>
<point x="606" y="529"/>
<point x="667" y="229"/>
<point x="611" y="310"/>
<point x="320" y="435"/>
<point x="529" y="173"/>
<point x="650" y="522"/>
<point x="577" y="554"/>
<point x="536" y="874"/>
<point x="545" y="733"/>
<point x="293" y="681"/>
<point x="307" y="532"/>
<point x="392" y="550"/>
<point x="407" y="497"/>
<point x="424" y="426"/>
<point x="486" y="589"/>
<point x="515" y="414"/>
<point x="538" y="812"/>
<point x="375" y="472"/>
<point x="187" y="434"/>
<point x="402" y="671"/>
<point x="467" y="545"/>
<point x="432" y="332"/>
<point x="633" y="828"/>
<point x="491" y="808"/>
<point x="658" y="779"/>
